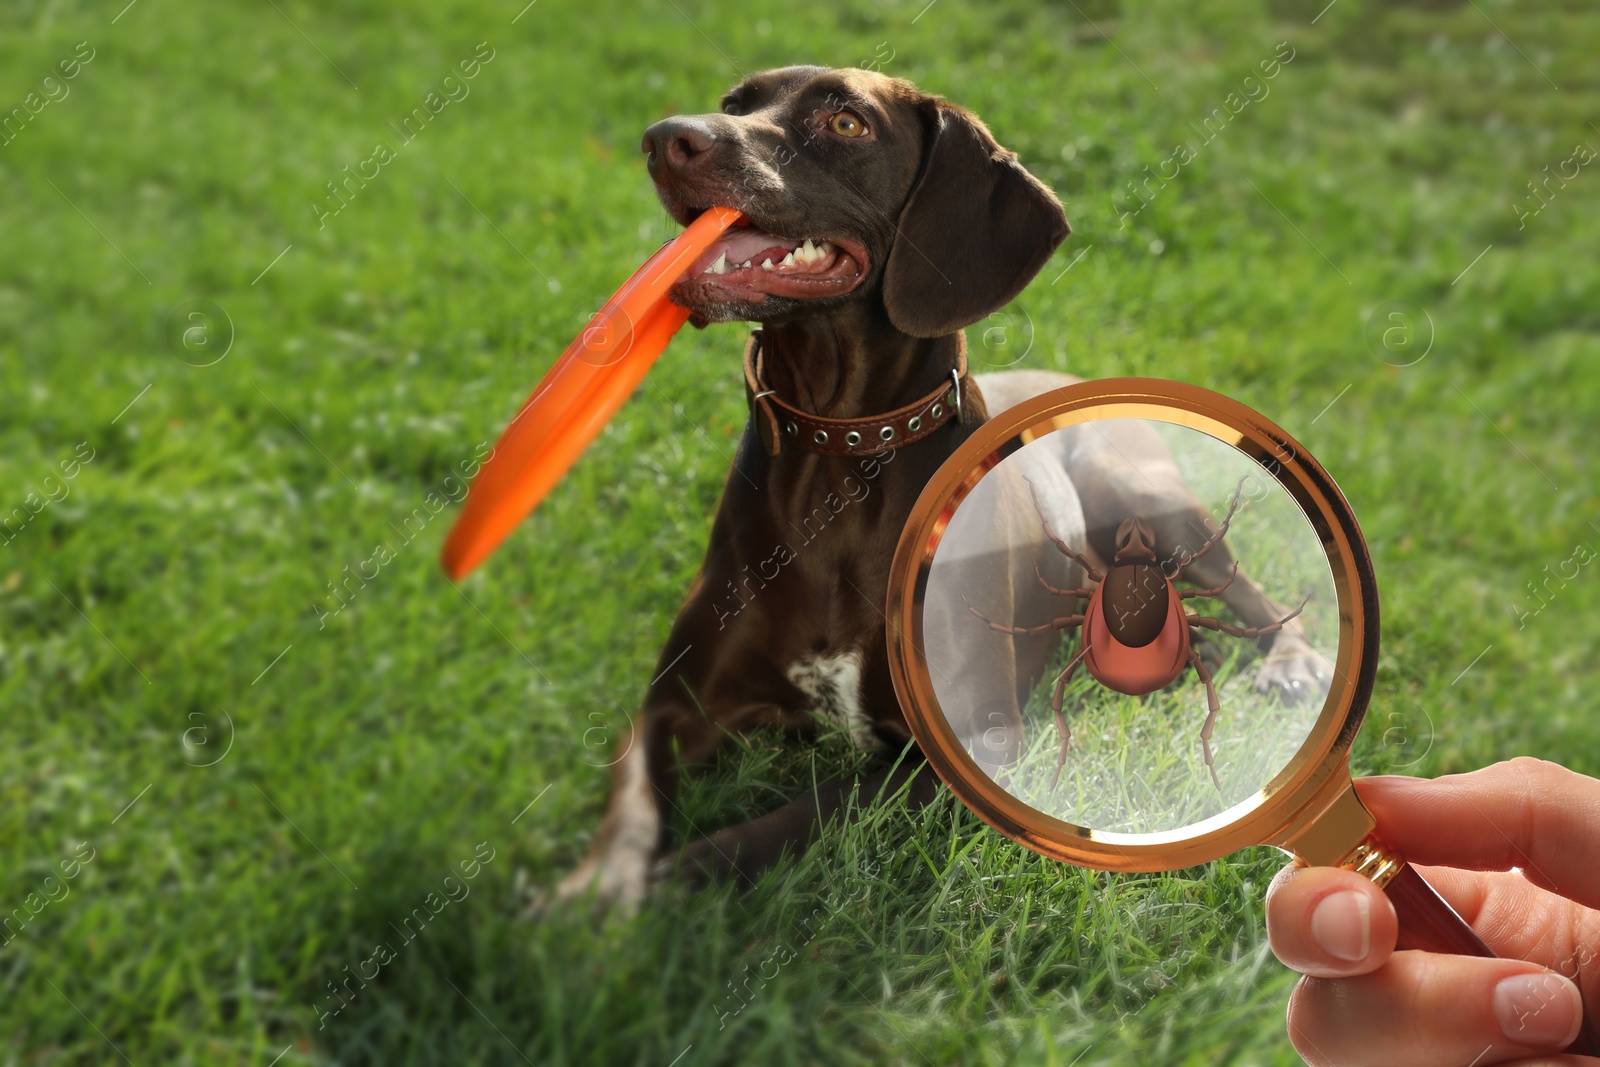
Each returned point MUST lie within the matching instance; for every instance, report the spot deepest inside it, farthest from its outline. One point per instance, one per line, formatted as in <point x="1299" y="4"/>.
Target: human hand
<point x="1362" y="1002"/>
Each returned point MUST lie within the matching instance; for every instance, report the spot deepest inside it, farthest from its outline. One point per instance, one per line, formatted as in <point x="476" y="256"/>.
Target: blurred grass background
<point x="172" y="608"/>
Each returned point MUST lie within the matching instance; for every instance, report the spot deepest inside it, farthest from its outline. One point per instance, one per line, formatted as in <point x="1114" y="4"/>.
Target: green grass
<point x="196" y="548"/>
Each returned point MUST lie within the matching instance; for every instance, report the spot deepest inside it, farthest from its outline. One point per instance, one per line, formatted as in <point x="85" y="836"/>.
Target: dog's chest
<point x="833" y="685"/>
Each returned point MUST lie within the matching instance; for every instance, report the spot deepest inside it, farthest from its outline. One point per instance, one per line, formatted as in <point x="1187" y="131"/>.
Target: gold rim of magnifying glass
<point x="1316" y="779"/>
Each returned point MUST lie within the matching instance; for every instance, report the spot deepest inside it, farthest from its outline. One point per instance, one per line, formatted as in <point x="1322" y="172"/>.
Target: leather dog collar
<point x="778" y="422"/>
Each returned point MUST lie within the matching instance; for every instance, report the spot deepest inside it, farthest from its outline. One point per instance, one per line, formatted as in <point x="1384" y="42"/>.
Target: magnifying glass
<point x="1074" y="688"/>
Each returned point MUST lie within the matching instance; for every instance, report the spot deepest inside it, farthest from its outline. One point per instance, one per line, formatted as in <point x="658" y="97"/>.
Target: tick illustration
<point x="1135" y="636"/>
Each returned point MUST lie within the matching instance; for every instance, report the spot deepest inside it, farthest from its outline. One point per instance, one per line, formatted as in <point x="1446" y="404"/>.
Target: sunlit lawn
<point x="271" y="766"/>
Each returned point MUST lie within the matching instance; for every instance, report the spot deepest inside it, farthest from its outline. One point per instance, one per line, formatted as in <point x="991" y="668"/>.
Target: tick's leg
<point x="1066" y="550"/>
<point x="1212" y="705"/>
<point x="1187" y="593"/>
<point x="1061" y="720"/>
<point x="1066" y="622"/>
<point x="1216" y="537"/>
<point x="1058" y="591"/>
<point x="1246" y="631"/>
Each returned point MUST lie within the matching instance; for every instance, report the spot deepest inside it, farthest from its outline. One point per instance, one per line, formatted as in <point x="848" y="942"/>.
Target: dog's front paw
<point x="1294" y="671"/>
<point x="617" y="882"/>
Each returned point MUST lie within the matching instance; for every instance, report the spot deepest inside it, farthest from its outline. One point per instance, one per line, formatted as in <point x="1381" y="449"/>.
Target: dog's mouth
<point x="748" y="264"/>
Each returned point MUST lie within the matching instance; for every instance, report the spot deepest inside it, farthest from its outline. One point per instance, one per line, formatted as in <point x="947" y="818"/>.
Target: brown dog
<point x="882" y="221"/>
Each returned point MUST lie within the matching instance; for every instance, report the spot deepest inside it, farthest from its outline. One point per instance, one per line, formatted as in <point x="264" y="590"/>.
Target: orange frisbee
<point x="578" y="396"/>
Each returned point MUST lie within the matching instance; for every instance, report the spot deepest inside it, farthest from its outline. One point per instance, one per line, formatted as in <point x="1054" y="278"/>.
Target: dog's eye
<point x="847" y="124"/>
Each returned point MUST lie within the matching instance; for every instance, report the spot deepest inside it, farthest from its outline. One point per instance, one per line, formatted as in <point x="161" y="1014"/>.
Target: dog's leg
<point x="1292" y="667"/>
<point x="745" y="851"/>
<point x="668" y="738"/>
<point x="617" y="866"/>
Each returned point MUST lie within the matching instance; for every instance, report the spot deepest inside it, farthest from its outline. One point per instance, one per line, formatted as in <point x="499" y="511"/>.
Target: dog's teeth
<point x="766" y="264"/>
<point x="720" y="266"/>
<point x="788" y="260"/>
<point x="811" y="252"/>
<point x="745" y="265"/>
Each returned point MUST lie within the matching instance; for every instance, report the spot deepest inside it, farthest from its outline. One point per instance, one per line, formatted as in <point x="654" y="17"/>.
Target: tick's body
<point x="1135" y="631"/>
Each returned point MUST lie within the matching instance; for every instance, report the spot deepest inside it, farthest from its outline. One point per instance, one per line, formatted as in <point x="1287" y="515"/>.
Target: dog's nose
<point x="676" y="143"/>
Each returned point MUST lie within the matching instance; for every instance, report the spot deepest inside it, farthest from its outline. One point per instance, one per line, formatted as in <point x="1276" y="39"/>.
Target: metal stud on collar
<point x="852" y="439"/>
<point x="955" y="378"/>
<point x="790" y="428"/>
<point x="886" y="434"/>
<point x="820" y="437"/>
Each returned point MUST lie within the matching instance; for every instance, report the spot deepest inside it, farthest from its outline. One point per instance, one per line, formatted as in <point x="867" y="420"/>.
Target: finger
<point x="1424" y="1009"/>
<point x="1329" y="922"/>
<point x="1524" y="813"/>
<point x="1520" y="920"/>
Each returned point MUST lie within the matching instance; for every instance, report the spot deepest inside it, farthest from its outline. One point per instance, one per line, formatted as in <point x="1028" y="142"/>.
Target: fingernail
<point x="1341" y="924"/>
<point x="1538" y="1009"/>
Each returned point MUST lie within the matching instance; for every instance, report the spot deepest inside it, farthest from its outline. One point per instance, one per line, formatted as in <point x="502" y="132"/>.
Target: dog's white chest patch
<point x="834" y="685"/>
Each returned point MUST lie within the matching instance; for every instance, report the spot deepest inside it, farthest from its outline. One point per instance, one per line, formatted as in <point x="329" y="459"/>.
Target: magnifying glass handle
<point x="1429" y="923"/>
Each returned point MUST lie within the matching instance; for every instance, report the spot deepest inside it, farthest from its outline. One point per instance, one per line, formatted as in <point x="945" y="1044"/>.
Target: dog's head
<point x="904" y="199"/>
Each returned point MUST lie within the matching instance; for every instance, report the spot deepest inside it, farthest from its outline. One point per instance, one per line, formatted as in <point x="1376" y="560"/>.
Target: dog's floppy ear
<point x="974" y="231"/>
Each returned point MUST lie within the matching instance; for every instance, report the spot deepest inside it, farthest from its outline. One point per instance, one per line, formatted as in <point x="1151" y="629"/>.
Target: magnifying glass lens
<point x="1130" y="625"/>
